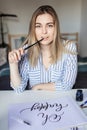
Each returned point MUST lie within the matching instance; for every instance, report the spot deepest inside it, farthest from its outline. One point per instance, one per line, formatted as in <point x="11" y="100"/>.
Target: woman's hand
<point x="36" y="87"/>
<point x="46" y="86"/>
<point x="15" y="55"/>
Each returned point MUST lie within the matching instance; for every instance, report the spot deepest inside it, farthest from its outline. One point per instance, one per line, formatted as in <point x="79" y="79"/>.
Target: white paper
<point x="46" y="115"/>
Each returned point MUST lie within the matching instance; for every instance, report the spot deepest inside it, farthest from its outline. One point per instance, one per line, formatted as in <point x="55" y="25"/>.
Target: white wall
<point x="69" y="12"/>
<point x="83" y="35"/>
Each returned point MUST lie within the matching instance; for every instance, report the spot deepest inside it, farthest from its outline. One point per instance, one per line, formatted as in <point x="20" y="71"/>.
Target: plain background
<point x="72" y="15"/>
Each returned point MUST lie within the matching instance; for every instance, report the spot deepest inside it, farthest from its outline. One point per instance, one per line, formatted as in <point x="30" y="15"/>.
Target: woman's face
<point x="44" y="28"/>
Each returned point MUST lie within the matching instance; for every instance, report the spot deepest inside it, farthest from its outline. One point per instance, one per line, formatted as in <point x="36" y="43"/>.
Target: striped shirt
<point x="63" y="73"/>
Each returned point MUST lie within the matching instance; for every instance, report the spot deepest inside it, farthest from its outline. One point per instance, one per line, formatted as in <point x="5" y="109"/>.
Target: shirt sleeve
<point x="70" y="69"/>
<point x="23" y="71"/>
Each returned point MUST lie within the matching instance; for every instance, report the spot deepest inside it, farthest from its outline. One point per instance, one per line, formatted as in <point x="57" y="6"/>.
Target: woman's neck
<point x="46" y="55"/>
<point x="45" y="50"/>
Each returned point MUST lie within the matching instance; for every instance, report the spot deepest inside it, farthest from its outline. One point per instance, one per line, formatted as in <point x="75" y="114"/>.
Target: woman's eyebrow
<point x="46" y="23"/>
<point x="50" y="23"/>
<point x="37" y="23"/>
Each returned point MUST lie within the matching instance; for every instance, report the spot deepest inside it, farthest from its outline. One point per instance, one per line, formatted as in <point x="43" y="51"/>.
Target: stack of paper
<point x="51" y="114"/>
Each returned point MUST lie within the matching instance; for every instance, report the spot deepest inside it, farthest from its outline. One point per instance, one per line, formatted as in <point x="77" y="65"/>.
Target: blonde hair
<point x="56" y="47"/>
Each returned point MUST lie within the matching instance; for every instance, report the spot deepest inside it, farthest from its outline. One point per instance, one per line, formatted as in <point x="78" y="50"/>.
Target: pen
<point x="25" y="48"/>
<point x="26" y="122"/>
<point x="21" y="121"/>
<point x="82" y="105"/>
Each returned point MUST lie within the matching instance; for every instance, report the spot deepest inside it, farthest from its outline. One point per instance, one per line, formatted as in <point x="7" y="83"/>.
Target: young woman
<point x="49" y="65"/>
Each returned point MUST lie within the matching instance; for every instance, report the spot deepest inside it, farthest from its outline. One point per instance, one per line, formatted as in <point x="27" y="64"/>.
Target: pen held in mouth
<point x="25" y="48"/>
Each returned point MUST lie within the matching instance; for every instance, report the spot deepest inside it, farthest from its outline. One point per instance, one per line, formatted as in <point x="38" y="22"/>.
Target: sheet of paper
<point x="51" y="114"/>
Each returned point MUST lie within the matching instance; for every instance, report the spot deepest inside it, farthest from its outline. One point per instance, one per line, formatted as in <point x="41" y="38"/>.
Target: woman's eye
<point x="37" y="26"/>
<point x="50" y="25"/>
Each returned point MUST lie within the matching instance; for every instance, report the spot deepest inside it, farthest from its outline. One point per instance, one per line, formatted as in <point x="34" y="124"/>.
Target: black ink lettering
<point x="60" y="107"/>
<point x="35" y="106"/>
<point x="24" y="110"/>
<point x="45" y="106"/>
<point x="51" y="118"/>
<point x="39" y="106"/>
<point x="43" y="116"/>
<point x="55" y="117"/>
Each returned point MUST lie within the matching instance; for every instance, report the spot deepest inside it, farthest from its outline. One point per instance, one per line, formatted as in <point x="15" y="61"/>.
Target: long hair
<point x="56" y="48"/>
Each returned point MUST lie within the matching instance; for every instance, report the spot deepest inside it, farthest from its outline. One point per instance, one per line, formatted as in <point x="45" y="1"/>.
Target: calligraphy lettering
<point x="50" y="118"/>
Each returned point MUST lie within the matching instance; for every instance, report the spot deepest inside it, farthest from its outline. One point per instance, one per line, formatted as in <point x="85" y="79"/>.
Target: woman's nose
<point x="44" y="30"/>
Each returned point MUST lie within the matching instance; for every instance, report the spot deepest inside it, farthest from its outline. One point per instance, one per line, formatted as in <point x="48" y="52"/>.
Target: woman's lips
<point x="45" y="38"/>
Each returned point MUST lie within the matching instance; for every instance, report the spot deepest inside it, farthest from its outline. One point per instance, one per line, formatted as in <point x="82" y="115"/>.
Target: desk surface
<point x="10" y="97"/>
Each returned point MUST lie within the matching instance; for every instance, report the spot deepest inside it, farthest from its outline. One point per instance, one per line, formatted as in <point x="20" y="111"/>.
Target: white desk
<point x="10" y="97"/>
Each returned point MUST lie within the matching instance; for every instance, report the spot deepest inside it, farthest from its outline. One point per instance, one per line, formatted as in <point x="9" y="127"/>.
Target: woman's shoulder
<point x="24" y="59"/>
<point x="70" y="45"/>
<point x="68" y="42"/>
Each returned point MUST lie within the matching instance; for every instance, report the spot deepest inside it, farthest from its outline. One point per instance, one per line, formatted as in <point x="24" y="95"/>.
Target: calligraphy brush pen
<point x="27" y="47"/>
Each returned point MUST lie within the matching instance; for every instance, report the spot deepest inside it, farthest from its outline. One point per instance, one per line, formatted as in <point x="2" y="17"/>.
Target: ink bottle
<point x="79" y="95"/>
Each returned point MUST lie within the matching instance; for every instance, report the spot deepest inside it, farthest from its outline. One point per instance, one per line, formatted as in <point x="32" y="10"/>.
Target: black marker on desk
<point x="27" y="47"/>
<point x="26" y="122"/>
<point x="82" y="105"/>
<point x="19" y="120"/>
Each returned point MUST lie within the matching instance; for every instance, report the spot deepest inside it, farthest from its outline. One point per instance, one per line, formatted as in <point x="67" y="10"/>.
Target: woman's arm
<point x="68" y="76"/>
<point x="14" y="75"/>
<point x="45" y="86"/>
<point x="18" y="70"/>
<point x="14" y="57"/>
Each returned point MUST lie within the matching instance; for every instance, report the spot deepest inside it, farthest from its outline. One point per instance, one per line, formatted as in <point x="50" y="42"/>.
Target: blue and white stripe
<point x="63" y="73"/>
